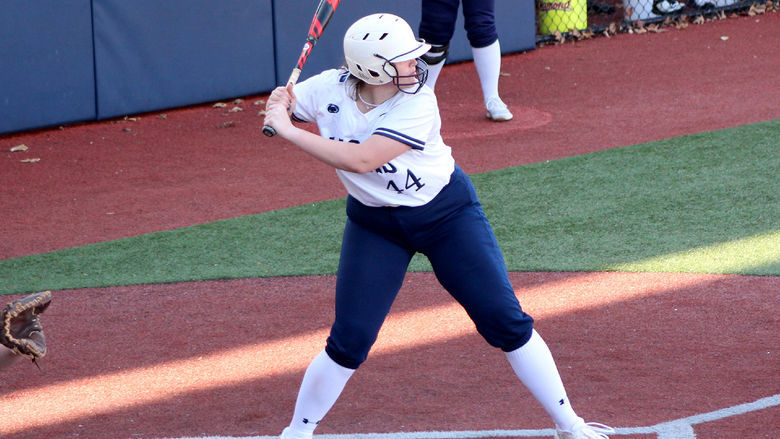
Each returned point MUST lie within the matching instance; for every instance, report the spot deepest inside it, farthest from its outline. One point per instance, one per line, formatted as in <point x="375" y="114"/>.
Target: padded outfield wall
<point x="81" y="60"/>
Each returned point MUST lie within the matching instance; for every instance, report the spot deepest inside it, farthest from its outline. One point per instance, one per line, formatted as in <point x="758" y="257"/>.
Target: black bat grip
<point x="269" y="131"/>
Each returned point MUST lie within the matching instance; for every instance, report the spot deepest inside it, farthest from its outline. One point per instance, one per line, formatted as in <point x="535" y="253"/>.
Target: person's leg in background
<point x="436" y="27"/>
<point x="480" y="23"/>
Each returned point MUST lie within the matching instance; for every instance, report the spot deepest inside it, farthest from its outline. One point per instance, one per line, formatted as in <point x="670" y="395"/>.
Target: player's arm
<point x="353" y="157"/>
<point x="359" y="158"/>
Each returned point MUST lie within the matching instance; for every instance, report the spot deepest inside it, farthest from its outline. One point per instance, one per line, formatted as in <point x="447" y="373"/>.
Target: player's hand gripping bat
<point x="321" y="18"/>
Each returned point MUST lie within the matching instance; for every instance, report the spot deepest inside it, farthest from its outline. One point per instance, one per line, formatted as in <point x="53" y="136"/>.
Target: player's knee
<point x="437" y="54"/>
<point x="507" y="332"/>
<point x="349" y="347"/>
<point x="481" y="35"/>
<point x="343" y="359"/>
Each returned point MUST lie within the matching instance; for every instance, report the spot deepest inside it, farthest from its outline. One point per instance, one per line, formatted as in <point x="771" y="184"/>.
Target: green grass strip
<point x="738" y="256"/>
<point x="615" y="209"/>
<point x="704" y="203"/>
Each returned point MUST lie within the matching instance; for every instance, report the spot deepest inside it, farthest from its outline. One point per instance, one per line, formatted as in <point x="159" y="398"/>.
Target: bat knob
<point x="269" y="131"/>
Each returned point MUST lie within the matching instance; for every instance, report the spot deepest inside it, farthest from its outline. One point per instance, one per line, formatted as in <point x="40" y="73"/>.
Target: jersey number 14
<point x="411" y="182"/>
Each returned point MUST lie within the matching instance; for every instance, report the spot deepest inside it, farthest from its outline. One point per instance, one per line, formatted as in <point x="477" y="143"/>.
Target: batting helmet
<point x="373" y="43"/>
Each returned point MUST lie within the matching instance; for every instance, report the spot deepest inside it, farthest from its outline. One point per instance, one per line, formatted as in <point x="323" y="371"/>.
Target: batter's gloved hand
<point x="21" y="330"/>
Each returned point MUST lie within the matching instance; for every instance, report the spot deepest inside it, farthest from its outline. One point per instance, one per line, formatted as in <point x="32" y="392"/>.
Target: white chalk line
<point x="676" y="429"/>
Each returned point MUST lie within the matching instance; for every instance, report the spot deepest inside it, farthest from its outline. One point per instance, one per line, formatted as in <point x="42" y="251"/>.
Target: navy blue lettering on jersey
<point x="387" y="168"/>
<point x="342" y="140"/>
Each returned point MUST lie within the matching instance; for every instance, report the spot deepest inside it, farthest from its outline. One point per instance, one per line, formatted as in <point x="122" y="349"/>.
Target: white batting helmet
<point x="372" y="43"/>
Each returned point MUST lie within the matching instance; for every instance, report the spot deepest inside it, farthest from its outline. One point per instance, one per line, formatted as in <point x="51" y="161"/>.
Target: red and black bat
<point x="321" y="18"/>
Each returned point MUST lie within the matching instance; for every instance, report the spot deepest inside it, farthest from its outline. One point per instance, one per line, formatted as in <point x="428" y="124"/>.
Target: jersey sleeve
<point x="304" y="99"/>
<point x="411" y="121"/>
<point x="310" y="92"/>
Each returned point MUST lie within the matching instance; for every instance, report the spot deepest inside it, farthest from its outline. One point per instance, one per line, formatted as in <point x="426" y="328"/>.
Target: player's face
<point x="406" y="72"/>
<point x="410" y="76"/>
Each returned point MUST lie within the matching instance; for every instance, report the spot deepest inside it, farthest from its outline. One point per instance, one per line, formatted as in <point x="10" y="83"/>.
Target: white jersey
<point x="411" y="179"/>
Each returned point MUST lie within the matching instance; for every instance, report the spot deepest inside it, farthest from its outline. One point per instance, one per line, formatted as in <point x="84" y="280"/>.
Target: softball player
<point x="437" y="26"/>
<point x="379" y="128"/>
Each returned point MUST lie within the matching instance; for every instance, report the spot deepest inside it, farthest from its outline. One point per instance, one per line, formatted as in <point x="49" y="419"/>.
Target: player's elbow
<point x="371" y="154"/>
<point x="359" y="167"/>
<point x="360" y="161"/>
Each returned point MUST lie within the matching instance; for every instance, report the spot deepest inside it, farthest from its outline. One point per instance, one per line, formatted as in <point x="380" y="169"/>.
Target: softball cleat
<point x="497" y="110"/>
<point x="583" y="430"/>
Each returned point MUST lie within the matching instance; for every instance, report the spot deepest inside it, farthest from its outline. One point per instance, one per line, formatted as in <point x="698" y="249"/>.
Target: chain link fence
<point x="557" y="20"/>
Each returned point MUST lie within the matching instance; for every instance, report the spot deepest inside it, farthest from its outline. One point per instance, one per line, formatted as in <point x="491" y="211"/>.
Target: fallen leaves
<point x="584" y="34"/>
<point x="23" y="148"/>
<point x="228" y="124"/>
<point x="640" y="28"/>
<point x="757" y="9"/>
<point x="236" y="106"/>
<point x="681" y="23"/>
<point x="611" y="29"/>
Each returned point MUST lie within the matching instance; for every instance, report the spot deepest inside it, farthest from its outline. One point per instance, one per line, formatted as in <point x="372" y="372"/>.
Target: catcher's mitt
<point x="21" y="330"/>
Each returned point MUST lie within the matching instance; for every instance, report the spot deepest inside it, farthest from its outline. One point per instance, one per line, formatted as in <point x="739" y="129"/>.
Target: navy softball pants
<point x="454" y="233"/>
<point x="437" y="24"/>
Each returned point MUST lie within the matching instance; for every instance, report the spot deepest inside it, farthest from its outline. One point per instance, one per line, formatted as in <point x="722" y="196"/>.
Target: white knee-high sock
<point x="534" y="365"/>
<point x="433" y="73"/>
<point x="487" y="60"/>
<point x="322" y="384"/>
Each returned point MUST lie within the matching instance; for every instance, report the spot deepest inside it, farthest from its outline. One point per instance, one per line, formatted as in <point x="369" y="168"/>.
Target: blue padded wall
<point x="515" y="21"/>
<point x="79" y="60"/>
<point x="46" y="69"/>
<point x="152" y="54"/>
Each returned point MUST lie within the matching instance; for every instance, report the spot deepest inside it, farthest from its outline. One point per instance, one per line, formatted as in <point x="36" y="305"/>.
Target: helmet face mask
<point x="372" y="46"/>
<point x="417" y="79"/>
